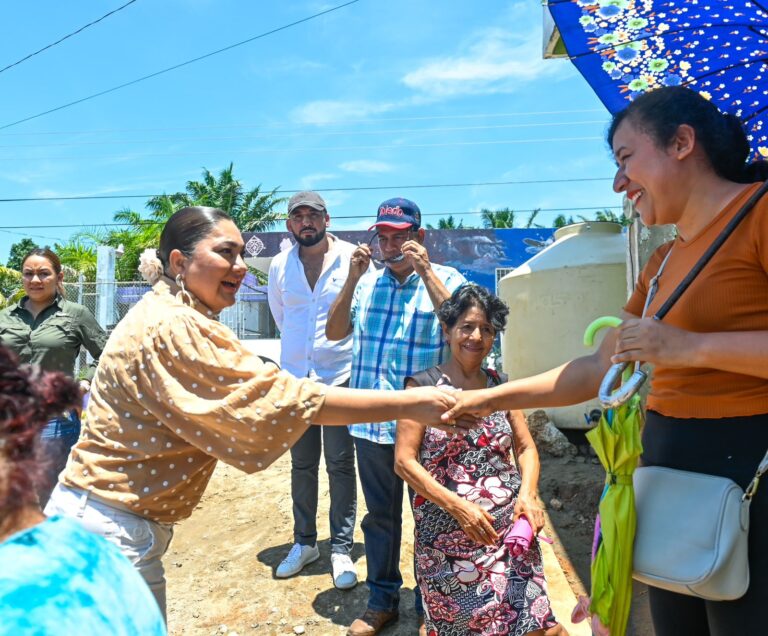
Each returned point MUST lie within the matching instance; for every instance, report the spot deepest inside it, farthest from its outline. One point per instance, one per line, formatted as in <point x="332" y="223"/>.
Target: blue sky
<point x="379" y="93"/>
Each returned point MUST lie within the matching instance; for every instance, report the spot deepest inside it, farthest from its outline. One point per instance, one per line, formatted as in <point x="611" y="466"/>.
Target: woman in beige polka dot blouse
<point x="175" y="391"/>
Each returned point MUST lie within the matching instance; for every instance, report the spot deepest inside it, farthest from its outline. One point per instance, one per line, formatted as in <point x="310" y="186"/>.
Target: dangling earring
<point x="185" y="295"/>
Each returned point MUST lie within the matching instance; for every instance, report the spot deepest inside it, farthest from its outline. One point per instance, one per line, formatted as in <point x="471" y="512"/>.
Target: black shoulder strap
<point x="496" y="376"/>
<point x="707" y="256"/>
<point x="427" y="377"/>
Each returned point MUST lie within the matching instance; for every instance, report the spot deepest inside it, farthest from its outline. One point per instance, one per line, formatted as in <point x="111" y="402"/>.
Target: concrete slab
<point x="560" y="594"/>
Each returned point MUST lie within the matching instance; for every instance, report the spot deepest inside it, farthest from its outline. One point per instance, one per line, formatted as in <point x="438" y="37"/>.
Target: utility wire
<point x="333" y="217"/>
<point x="83" y="197"/>
<point x="253" y="151"/>
<point x="66" y="37"/>
<point x="351" y="133"/>
<point x="180" y="65"/>
<point x="305" y="123"/>
<point x="27" y="235"/>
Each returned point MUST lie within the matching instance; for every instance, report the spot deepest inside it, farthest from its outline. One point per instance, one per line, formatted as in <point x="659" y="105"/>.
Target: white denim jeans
<point x="142" y="541"/>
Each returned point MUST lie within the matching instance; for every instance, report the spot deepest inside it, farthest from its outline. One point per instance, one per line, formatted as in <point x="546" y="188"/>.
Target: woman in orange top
<point x="681" y="161"/>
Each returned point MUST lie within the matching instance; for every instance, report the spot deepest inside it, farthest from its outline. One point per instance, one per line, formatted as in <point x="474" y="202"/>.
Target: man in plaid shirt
<point x="390" y="313"/>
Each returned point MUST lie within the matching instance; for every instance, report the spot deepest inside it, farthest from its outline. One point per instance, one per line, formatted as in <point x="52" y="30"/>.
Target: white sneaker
<point x="298" y="557"/>
<point x="344" y="574"/>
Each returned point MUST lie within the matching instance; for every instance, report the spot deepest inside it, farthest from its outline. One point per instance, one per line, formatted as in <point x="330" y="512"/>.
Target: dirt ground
<point x="221" y="562"/>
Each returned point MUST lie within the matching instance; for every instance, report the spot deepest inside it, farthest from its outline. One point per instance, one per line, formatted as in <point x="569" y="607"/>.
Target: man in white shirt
<point x="303" y="283"/>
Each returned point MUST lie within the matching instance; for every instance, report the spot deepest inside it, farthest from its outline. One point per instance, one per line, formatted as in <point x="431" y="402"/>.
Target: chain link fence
<point x="248" y="318"/>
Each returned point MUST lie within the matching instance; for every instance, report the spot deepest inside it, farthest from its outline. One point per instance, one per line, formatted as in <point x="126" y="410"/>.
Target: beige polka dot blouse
<point x="175" y="391"/>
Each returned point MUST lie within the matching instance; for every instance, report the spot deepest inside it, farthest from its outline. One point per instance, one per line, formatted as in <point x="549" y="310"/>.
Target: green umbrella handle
<point x="596" y="325"/>
<point x="632" y="379"/>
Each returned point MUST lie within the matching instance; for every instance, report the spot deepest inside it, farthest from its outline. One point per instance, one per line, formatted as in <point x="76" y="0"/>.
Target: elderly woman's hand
<point x="530" y="507"/>
<point x="475" y="521"/>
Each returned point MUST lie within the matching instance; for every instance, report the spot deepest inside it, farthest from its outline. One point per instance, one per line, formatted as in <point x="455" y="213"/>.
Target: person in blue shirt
<point x="390" y="313"/>
<point x="56" y="578"/>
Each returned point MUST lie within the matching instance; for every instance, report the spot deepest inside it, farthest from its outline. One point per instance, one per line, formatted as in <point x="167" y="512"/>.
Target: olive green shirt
<point x="53" y="339"/>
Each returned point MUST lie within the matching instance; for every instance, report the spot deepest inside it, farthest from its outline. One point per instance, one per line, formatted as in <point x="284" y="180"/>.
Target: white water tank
<point x="554" y="296"/>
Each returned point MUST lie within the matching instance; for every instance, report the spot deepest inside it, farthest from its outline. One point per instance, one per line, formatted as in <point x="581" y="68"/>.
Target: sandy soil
<point x="221" y="562"/>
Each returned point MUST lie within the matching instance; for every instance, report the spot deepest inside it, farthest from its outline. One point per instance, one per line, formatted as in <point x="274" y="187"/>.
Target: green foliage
<point x="448" y="223"/>
<point x="612" y="217"/>
<point x="561" y="221"/>
<point x="251" y="210"/>
<point x="531" y="217"/>
<point x="498" y="219"/>
<point x="506" y="217"/>
<point x="78" y="257"/>
<point x="600" y="215"/>
<point x="10" y="286"/>
<point x="19" y="251"/>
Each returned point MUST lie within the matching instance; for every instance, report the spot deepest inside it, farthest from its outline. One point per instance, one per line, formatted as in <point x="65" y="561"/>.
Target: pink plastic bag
<point x="519" y="537"/>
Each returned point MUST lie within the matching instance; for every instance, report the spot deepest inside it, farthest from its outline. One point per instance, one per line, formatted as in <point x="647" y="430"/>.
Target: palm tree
<point x="252" y="210"/>
<point x="447" y="224"/>
<point x="561" y="221"/>
<point x="498" y="219"/>
<point x="611" y="216"/>
<point x="529" y="223"/>
<point x="78" y="257"/>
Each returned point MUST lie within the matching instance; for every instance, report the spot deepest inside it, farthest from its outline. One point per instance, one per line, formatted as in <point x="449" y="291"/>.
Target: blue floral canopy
<point x="624" y="48"/>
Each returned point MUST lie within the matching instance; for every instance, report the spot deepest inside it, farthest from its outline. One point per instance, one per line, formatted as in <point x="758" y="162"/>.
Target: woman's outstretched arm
<point x="423" y="404"/>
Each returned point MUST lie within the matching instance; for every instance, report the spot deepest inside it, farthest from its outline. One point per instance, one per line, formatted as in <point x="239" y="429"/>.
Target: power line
<point x="305" y="123"/>
<point x="333" y="217"/>
<point x="252" y="151"/>
<point x="382" y="131"/>
<point x="82" y="197"/>
<point x="180" y="65"/>
<point x="66" y="37"/>
<point x="27" y="235"/>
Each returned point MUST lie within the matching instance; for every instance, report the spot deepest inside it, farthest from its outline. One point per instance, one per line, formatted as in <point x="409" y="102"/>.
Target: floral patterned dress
<point x="469" y="588"/>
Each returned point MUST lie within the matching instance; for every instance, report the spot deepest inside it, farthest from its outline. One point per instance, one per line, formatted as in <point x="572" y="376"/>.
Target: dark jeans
<point x="382" y="526"/>
<point x="728" y="447"/>
<point x="339" y="452"/>
<point x="56" y="439"/>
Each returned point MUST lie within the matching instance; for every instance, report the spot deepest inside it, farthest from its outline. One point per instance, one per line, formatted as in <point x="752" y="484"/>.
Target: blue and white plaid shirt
<point x="396" y="334"/>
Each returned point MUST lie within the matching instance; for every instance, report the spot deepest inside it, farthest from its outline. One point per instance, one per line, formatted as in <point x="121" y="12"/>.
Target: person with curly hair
<point x="470" y="491"/>
<point x="56" y="578"/>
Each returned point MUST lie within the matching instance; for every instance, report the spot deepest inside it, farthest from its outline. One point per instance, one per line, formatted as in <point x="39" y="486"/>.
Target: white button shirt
<point x="301" y="313"/>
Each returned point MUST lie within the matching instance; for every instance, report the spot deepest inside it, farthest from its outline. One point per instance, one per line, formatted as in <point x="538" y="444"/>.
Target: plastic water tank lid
<point x="602" y="227"/>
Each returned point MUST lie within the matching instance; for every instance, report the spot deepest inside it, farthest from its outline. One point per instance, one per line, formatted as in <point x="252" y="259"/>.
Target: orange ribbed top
<point x="730" y="294"/>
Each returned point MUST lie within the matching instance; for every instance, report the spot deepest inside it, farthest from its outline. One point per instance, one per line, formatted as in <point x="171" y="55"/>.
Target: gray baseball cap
<point x="307" y="197"/>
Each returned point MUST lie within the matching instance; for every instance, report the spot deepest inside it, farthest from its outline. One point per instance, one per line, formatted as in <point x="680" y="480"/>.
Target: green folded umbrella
<point x="616" y="440"/>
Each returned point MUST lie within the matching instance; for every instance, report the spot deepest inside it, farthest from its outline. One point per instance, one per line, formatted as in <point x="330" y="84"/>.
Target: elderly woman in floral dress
<point x="469" y="493"/>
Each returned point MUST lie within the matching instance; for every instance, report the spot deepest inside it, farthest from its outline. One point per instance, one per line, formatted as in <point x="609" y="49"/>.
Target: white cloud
<point x="495" y="60"/>
<point x="366" y="166"/>
<point x="326" y="111"/>
<point x="310" y="181"/>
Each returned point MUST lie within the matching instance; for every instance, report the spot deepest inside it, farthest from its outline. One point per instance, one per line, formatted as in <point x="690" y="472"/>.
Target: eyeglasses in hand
<point x="376" y="256"/>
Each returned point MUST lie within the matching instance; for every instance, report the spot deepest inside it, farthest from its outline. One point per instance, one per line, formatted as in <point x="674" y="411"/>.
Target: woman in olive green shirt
<point x="45" y="330"/>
